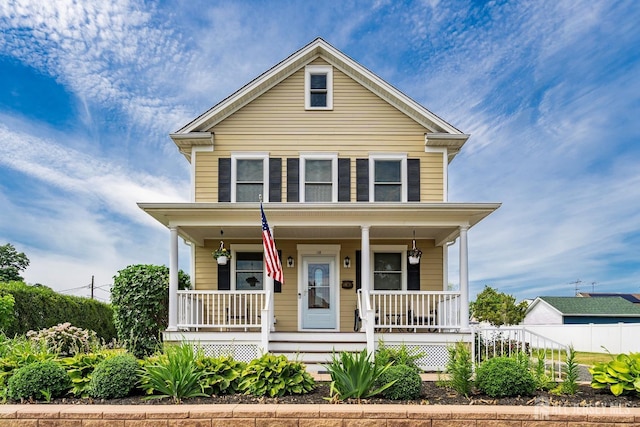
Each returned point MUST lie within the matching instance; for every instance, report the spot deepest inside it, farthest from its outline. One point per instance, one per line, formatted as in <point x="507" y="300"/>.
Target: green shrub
<point x="173" y="374"/>
<point x="355" y="376"/>
<point x="114" y="377"/>
<point x="504" y="377"/>
<point x="38" y="307"/>
<point x="7" y="315"/>
<point x="140" y="298"/>
<point x="272" y="376"/>
<point x="460" y="368"/>
<point x="39" y="380"/>
<point x="66" y="340"/>
<point x="222" y="375"/>
<point x="17" y="353"/>
<point x="621" y="375"/>
<point x="405" y="381"/>
<point x="398" y="356"/>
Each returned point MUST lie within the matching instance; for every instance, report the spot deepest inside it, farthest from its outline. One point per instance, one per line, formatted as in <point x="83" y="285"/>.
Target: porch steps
<point x="315" y="349"/>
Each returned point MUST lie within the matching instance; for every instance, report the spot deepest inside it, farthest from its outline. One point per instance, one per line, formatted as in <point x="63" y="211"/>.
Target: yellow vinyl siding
<point x="286" y="303"/>
<point x="360" y="123"/>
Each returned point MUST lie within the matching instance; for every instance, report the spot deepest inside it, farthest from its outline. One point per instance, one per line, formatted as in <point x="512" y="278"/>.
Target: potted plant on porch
<point x="222" y="254"/>
<point x="414" y="255"/>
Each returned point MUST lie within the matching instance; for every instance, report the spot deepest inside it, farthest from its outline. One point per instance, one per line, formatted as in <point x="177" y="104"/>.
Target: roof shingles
<point x="604" y="306"/>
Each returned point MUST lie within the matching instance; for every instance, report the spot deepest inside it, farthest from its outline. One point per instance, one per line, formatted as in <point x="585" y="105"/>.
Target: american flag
<point x="272" y="260"/>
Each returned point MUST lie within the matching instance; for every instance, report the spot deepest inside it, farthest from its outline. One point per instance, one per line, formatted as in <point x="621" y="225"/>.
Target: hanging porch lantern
<point x="414" y="253"/>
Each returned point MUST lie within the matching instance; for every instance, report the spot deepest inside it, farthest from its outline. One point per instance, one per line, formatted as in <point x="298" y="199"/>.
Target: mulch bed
<point x="432" y="394"/>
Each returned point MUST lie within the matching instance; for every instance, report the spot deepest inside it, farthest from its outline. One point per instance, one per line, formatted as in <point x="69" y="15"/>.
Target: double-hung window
<point x="249" y="174"/>
<point x="388" y="178"/>
<point x="249" y="271"/>
<point x="318" y="83"/>
<point x="387" y="271"/>
<point x="318" y="178"/>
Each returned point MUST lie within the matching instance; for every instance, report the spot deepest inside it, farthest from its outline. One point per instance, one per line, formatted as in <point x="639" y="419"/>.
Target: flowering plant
<point x="415" y="252"/>
<point x="221" y="251"/>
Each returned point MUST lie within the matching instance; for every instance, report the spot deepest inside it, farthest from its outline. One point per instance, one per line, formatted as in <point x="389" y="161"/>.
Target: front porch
<point x="238" y="323"/>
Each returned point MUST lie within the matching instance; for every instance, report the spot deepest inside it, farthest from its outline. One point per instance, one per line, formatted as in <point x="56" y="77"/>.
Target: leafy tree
<point x="497" y="308"/>
<point x="12" y="263"/>
<point x="140" y="300"/>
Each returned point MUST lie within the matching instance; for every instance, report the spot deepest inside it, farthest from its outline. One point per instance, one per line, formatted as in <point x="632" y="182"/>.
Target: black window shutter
<point x="362" y="180"/>
<point x="224" y="277"/>
<point x="293" y="180"/>
<point x="358" y="270"/>
<point x="344" y="180"/>
<point x="413" y="277"/>
<point x="224" y="179"/>
<point x="277" y="286"/>
<point x="413" y="180"/>
<point x="275" y="179"/>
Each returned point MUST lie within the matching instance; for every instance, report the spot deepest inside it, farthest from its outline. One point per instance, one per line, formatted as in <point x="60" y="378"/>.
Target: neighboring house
<point x="352" y="172"/>
<point x="581" y="310"/>
<point x="633" y="298"/>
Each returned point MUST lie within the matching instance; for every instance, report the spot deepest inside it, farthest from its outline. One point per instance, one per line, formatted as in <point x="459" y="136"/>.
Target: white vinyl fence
<point x="615" y="338"/>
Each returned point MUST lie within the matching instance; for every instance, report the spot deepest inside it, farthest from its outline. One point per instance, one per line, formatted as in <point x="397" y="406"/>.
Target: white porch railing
<point x="490" y="341"/>
<point x="221" y="309"/>
<point x="409" y="311"/>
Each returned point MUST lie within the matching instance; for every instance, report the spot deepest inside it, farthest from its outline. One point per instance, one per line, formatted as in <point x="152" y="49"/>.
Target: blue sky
<point x="549" y="91"/>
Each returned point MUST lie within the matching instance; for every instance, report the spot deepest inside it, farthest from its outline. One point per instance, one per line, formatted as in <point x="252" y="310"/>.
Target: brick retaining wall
<point x="43" y="415"/>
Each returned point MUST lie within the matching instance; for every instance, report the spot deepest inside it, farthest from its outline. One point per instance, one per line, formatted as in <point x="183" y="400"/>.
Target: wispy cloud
<point x="117" y="53"/>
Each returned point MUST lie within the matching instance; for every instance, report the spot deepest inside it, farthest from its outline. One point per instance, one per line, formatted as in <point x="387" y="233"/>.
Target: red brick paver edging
<point x="237" y="415"/>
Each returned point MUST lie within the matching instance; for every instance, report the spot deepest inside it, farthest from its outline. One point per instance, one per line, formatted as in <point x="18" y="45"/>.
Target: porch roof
<point x="197" y="222"/>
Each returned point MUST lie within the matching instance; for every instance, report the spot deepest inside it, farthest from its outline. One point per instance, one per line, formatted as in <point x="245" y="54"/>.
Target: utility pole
<point x="92" y="283"/>
<point x="593" y="286"/>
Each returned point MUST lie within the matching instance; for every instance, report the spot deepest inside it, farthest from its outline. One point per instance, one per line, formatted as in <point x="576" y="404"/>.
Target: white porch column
<point x="173" y="280"/>
<point x="464" y="279"/>
<point x="369" y="315"/>
<point x="365" y="260"/>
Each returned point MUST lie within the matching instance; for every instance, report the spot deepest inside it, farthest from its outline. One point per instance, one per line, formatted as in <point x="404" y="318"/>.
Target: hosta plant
<point x="272" y="376"/>
<point x="621" y="375"/>
<point x="222" y="374"/>
<point x="80" y="367"/>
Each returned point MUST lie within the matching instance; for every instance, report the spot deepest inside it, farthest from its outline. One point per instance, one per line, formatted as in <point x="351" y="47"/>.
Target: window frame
<point x="235" y="249"/>
<point x="333" y="157"/>
<point x="310" y="70"/>
<point x="402" y="158"/>
<point x="395" y="249"/>
<point x="234" y="174"/>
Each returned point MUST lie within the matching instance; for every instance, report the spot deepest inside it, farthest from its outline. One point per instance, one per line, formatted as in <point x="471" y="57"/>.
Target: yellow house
<point x="352" y="174"/>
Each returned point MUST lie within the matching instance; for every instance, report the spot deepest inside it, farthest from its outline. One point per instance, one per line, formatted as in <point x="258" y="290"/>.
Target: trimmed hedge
<point x="39" y="307"/>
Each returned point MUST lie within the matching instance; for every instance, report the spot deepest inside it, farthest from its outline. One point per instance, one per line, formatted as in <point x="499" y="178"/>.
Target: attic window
<point x="318" y="83"/>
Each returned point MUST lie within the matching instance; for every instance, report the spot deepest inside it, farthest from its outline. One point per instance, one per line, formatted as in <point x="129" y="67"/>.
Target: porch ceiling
<point x="197" y="222"/>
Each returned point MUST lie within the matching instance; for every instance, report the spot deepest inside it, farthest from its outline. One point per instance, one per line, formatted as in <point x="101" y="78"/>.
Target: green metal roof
<point x="599" y="306"/>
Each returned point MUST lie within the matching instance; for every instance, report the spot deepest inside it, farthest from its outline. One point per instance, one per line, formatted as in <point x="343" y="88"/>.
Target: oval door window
<point x="319" y="289"/>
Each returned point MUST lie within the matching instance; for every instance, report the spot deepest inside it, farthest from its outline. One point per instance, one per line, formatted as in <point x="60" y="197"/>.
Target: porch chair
<point x="421" y="319"/>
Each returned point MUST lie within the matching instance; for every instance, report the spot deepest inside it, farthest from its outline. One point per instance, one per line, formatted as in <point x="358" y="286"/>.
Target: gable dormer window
<point x="318" y="83"/>
<point x="249" y="174"/>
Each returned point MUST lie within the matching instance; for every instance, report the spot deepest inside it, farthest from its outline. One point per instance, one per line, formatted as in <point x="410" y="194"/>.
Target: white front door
<point x="318" y="296"/>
